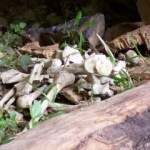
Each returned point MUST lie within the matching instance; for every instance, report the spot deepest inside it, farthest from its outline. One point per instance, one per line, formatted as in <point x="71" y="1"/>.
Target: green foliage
<point x="76" y="37"/>
<point x="44" y="118"/>
<point x="8" y="47"/>
<point x="36" y="110"/>
<point x="107" y="49"/>
<point x="135" y="46"/>
<point x="24" y="61"/>
<point x="18" y="28"/>
<point x="13" y="39"/>
<point x="124" y="81"/>
<point x="8" y="126"/>
<point x="78" y="18"/>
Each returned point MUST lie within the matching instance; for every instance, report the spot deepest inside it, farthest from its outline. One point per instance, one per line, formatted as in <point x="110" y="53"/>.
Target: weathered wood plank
<point x="121" y="122"/>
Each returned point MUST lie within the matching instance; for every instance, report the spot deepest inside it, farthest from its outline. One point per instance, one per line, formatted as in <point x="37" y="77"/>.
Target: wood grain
<point x="119" y="123"/>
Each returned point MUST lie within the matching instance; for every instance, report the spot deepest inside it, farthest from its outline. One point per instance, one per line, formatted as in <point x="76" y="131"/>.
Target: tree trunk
<point x="119" y="123"/>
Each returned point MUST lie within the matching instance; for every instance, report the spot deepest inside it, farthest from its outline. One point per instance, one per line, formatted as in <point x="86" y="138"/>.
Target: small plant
<point x="107" y="49"/>
<point x="13" y="38"/>
<point x="37" y="109"/>
<point x="124" y="78"/>
<point x="8" y="126"/>
<point x="35" y="112"/>
<point x="124" y="81"/>
<point x="135" y="46"/>
<point x="76" y="37"/>
<point x="10" y="41"/>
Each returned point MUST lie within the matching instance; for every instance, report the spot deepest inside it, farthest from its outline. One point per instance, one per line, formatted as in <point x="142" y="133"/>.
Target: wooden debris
<point x="58" y="32"/>
<point x="36" y="50"/>
<point x="120" y="29"/>
<point x="71" y="94"/>
<point x="121" y="122"/>
<point x="141" y="72"/>
<point x="140" y="35"/>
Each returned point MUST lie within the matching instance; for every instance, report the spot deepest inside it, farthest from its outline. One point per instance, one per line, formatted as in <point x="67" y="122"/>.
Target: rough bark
<point x="121" y="122"/>
<point x="140" y="35"/>
<point x="141" y="72"/>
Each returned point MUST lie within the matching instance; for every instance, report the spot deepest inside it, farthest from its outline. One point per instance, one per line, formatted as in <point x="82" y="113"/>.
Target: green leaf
<point x="22" y="24"/>
<point x="2" y="134"/>
<point x="78" y="18"/>
<point x="21" y="32"/>
<point x="81" y="42"/>
<point x="8" y="139"/>
<point x="13" y="126"/>
<point x="34" y="123"/>
<point x="3" y="123"/>
<point x="54" y="94"/>
<point x="12" y="115"/>
<point x="54" y="115"/>
<point x="48" y="88"/>
<point x="36" y="110"/>
<point x="110" y="54"/>
<point x="135" y="46"/>
<point x="13" y="26"/>
<point x="25" y="60"/>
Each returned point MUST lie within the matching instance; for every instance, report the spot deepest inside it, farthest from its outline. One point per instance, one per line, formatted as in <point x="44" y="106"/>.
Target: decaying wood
<point x="122" y="28"/>
<point x="88" y="25"/>
<point x="36" y="50"/>
<point x="121" y="122"/>
<point x="71" y="94"/>
<point x="140" y="35"/>
<point x="143" y="8"/>
<point x="141" y="72"/>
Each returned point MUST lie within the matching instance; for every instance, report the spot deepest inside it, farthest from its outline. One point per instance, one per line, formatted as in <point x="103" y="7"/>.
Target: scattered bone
<point x="82" y="84"/>
<point x="93" y="79"/>
<point x="62" y="80"/>
<point x="106" y="90"/>
<point x="72" y="55"/>
<point x="55" y="67"/>
<point x="12" y="76"/>
<point x="104" y="80"/>
<point x="35" y="76"/>
<point x="134" y="59"/>
<point x="19" y="87"/>
<point x="8" y="104"/>
<point x="119" y="66"/>
<point x="100" y="63"/>
<point x="26" y="101"/>
<point x="6" y="97"/>
<point x="97" y="88"/>
<point x="104" y="67"/>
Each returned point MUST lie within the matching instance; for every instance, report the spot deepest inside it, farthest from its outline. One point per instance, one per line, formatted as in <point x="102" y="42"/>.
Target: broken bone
<point x="26" y="101"/>
<point x="12" y="76"/>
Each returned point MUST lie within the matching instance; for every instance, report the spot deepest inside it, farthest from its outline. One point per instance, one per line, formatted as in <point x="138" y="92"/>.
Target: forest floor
<point x="48" y="72"/>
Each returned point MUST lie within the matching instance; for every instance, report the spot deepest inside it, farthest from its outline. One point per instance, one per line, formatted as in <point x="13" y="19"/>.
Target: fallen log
<point x="121" y="122"/>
